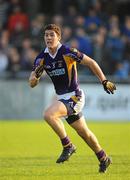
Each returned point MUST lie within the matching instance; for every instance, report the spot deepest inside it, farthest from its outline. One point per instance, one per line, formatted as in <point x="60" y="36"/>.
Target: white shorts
<point x="74" y="101"/>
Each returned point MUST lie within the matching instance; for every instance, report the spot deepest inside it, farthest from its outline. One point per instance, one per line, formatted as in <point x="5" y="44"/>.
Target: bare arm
<point x="87" y="61"/>
<point x="33" y="81"/>
<point x="109" y="87"/>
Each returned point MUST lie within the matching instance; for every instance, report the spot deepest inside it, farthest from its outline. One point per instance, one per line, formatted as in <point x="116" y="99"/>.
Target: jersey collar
<point x="47" y="50"/>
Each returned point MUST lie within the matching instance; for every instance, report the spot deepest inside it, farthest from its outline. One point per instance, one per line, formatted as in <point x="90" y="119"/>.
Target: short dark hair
<point x="53" y="27"/>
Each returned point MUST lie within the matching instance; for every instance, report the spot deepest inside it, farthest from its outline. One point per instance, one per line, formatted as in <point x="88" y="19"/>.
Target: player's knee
<point x="48" y="116"/>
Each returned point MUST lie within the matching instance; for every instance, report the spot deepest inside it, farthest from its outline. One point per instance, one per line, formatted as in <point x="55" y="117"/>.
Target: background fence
<point x="19" y="101"/>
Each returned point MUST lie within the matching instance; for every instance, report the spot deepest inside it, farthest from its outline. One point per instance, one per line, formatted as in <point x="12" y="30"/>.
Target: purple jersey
<point x="61" y="69"/>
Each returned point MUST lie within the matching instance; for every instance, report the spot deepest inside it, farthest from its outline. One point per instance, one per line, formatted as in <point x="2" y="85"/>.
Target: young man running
<point x="59" y="62"/>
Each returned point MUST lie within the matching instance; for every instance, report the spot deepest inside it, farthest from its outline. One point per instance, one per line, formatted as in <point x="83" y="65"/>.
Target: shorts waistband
<point x="78" y="92"/>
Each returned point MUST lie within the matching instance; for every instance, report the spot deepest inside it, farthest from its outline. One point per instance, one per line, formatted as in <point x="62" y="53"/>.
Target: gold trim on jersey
<point x="70" y="63"/>
<point x="42" y="62"/>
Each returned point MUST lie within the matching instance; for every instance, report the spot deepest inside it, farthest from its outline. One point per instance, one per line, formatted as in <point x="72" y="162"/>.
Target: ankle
<point x="66" y="143"/>
<point x="101" y="155"/>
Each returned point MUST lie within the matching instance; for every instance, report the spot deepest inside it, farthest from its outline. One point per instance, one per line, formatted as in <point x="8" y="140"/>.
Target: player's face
<point x="51" y="38"/>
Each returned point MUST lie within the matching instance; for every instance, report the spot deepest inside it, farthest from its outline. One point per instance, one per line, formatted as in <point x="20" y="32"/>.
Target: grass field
<point x="29" y="149"/>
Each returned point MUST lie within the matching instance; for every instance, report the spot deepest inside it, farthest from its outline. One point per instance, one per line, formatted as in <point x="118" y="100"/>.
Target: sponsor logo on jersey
<point x="47" y="67"/>
<point x="57" y="72"/>
<point x="60" y="64"/>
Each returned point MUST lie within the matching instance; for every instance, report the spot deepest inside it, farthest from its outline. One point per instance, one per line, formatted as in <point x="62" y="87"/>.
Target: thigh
<point x="57" y="109"/>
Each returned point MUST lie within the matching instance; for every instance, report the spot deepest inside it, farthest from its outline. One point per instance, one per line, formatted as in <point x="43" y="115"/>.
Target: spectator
<point x="27" y="54"/>
<point x="14" y="61"/>
<point x="99" y="50"/>
<point x="85" y="43"/>
<point x="83" y="5"/>
<point x="4" y="6"/>
<point x="115" y="48"/>
<point x="57" y="19"/>
<point x="26" y="46"/>
<point x="100" y="11"/>
<point x="3" y="61"/>
<point x="18" y="26"/>
<point x="27" y="62"/>
<point x="98" y="47"/>
<point x="17" y="37"/>
<point x="80" y="22"/>
<point x="113" y="22"/>
<point x="95" y="33"/>
<point x="67" y="34"/>
<point x="18" y="20"/>
<point x="36" y="29"/>
<point x="13" y="4"/>
<point x="92" y="21"/>
<point x="126" y="28"/>
<point x="74" y="43"/>
<point x="70" y="16"/>
<point x="122" y="70"/>
<point x="4" y="41"/>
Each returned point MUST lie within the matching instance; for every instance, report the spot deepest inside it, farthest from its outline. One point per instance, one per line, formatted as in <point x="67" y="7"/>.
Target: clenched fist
<point x="109" y="87"/>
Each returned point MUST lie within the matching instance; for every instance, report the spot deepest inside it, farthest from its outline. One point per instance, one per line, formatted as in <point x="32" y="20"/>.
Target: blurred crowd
<point x="102" y="36"/>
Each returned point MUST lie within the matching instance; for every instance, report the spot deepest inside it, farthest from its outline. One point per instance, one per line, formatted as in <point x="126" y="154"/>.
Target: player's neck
<point x="53" y="50"/>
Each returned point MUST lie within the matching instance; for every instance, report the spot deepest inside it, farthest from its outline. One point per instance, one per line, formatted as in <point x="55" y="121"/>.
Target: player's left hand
<point x="109" y="87"/>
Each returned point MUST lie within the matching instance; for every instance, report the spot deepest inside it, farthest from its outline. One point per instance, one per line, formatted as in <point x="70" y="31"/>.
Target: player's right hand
<point x="109" y="87"/>
<point x="33" y="82"/>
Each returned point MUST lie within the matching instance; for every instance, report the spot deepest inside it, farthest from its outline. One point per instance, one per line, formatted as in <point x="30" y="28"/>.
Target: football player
<point x="59" y="62"/>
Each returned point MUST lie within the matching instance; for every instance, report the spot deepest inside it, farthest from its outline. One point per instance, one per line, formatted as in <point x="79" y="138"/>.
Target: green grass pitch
<point x="29" y="149"/>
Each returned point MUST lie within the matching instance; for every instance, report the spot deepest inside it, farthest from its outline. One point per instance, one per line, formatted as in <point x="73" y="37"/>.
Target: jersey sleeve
<point x="75" y="54"/>
<point x="37" y="62"/>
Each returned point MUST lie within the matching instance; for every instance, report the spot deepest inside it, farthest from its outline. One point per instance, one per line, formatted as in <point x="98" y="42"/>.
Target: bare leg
<point x="81" y="127"/>
<point x="87" y="135"/>
<point x="52" y="116"/>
